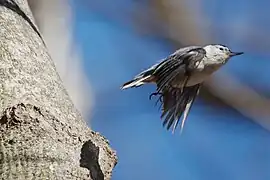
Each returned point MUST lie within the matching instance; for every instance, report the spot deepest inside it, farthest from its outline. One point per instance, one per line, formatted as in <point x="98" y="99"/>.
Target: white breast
<point x="200" y="76"/>
<point x="197" y="76"/>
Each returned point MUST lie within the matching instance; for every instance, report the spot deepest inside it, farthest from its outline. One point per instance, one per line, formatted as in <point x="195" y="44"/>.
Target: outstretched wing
<point x="177" y="103"/>
<point x="179" y="63"/>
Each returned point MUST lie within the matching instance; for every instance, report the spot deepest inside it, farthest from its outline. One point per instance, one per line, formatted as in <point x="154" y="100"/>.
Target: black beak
<point x="235" y="53"/>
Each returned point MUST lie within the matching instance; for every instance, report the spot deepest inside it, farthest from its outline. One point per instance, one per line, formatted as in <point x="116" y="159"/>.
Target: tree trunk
<point x="43" y="136"/>
<point x="55" y="21"/>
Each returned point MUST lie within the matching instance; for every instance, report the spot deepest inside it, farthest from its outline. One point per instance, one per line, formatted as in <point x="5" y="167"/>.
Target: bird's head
<point x="220" y="53"/>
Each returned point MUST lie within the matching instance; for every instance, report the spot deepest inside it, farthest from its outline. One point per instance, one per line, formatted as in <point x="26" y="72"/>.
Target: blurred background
<point x="98" y="45"/>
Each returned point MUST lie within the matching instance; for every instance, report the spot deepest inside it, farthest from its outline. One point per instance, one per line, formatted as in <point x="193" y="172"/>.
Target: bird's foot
<point x="155" y="94"/>
<point x="159" y="98"/>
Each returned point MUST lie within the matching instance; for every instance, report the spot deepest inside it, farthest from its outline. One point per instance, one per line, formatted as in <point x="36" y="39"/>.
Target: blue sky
<point x="216" y="143"/>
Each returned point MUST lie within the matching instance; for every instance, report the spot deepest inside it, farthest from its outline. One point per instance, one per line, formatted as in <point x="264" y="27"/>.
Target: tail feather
<point x="140" y="79"/>
<point x="135" y="82"/>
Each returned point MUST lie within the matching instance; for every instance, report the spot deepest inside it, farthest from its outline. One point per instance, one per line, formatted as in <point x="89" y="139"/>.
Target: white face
<point x="218" y="52"/>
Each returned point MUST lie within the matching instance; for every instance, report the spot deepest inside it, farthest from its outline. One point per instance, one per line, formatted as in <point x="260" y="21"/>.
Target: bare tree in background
<point x="54" y="19"/>
<point x="43" y="136"/>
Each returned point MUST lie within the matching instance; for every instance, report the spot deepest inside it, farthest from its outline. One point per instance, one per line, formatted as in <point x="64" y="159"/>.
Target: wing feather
<point x="176" y="65"/>
<point x="177" y="103"/>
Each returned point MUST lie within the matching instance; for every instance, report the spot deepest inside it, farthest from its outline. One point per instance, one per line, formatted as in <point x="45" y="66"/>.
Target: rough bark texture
<point x="42" y="135"/>
<point x="55" y="19"/>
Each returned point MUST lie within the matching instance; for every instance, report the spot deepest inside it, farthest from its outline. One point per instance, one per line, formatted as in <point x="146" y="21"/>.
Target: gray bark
<point x="55" y="21"/>
<point x="42" y="135"/>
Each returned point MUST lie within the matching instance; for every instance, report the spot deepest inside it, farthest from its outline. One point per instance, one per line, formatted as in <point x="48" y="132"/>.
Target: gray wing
<point x="179" y="63"/>
<point x="177" y="103"/>
<point x="186" y="49"/>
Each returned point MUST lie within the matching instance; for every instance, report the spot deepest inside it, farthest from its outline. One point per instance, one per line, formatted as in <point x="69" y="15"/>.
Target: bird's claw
<point x="154" y="94"/>
<point x="159" y="98"/>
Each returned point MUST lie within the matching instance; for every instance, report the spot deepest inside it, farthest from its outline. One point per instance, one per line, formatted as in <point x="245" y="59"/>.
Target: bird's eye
<point x="221" y="49"/>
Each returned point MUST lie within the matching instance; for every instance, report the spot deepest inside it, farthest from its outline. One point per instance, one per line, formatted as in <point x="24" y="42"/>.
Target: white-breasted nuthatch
<point x="179" y="78"/>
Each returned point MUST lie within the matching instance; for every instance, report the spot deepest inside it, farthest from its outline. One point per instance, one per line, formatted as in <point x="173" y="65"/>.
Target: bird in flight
<point x="178" y="79"/>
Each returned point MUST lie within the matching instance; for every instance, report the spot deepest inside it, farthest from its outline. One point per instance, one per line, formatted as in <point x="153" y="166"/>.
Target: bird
<point x="179" y="77"/>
